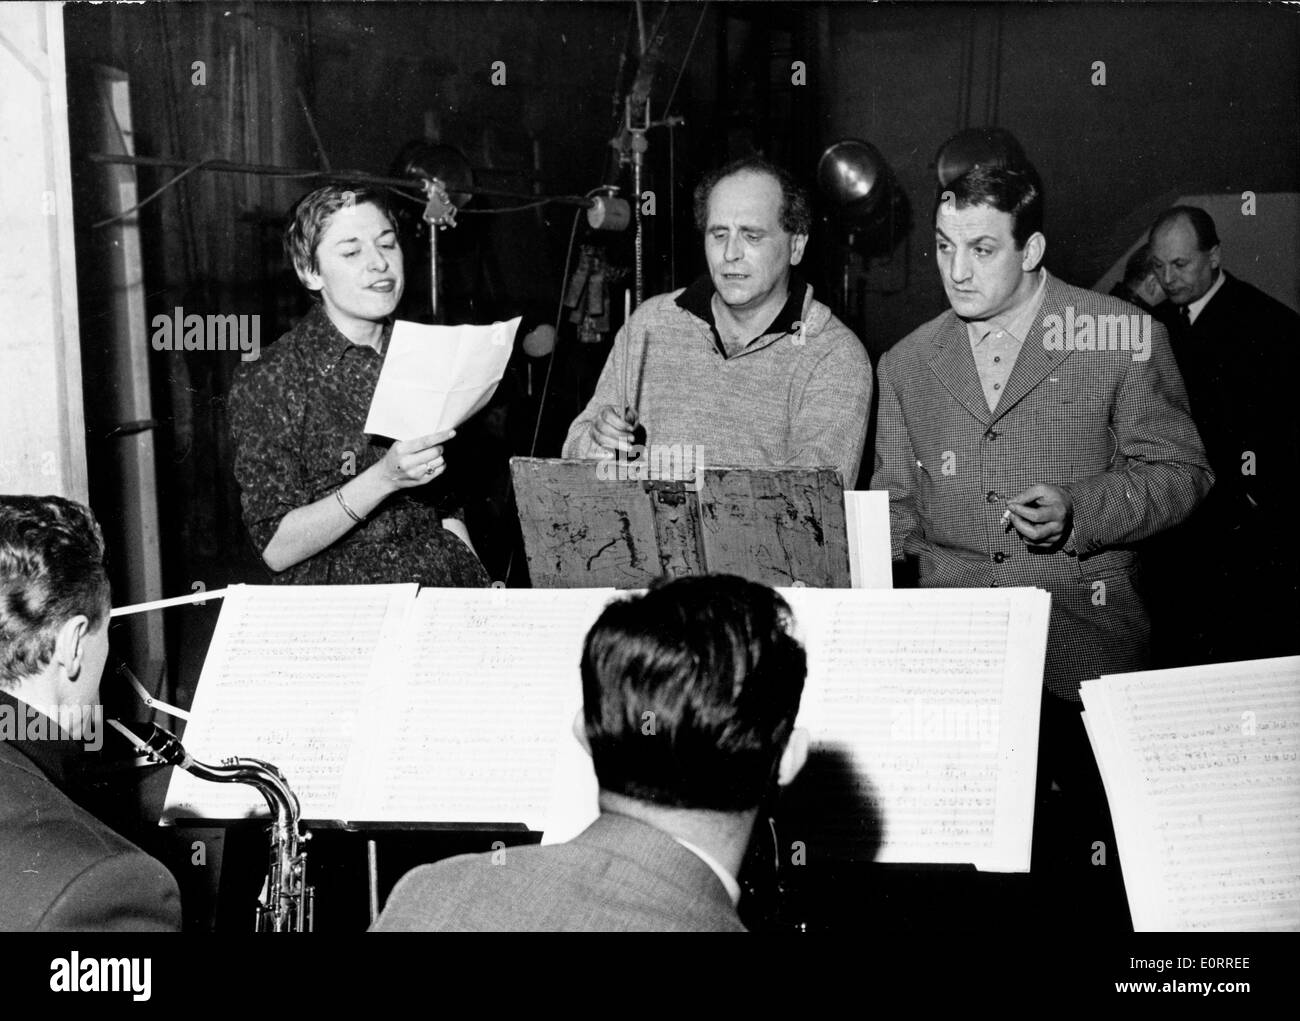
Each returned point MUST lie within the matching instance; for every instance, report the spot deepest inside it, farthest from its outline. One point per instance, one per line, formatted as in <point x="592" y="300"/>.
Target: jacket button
<point x="992" y="434"/>
<point x="994" y="585"/>
<point x="1071" y="553"/>
<point x="991" y="497"/>
<point x="999" y="556"/>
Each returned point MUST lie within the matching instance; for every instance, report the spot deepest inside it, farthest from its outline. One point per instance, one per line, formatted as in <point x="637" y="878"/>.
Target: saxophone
<point x="287" y="902"/>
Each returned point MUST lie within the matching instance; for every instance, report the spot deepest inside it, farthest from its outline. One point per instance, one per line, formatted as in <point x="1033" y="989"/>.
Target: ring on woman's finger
<point x="429" y="469"/>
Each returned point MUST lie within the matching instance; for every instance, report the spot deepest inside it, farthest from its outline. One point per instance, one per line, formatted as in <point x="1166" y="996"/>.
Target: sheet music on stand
<point x="287" y="673"/>
<point x="923" y="708"/>
<point x="385" y="703"/>
<point x="473" y="722"/>
<point x="1201" y="767"/>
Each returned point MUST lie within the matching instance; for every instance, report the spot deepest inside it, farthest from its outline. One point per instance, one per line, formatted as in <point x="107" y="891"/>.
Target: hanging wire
<point x="550" y="362"/>
<point x="150" y="197"/>
<point x="559" y="314"/>
<point x="479" y="212"/>
<point x="403" y="195"/>
<point x="668" y="106"/>
<point x="224" y="165"/>
<point x="507" y="209"/>
<point x="175" y="181"/>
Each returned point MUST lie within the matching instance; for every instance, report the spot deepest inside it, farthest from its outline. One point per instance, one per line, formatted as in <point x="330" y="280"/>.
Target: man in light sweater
<point x="743" y="366"/>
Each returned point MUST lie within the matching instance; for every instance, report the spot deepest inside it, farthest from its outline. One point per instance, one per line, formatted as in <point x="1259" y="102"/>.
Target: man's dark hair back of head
<point x="51" y="569"/>
<point x="796" y="207"/>
<point x="1202" y="225"/>
<point x="690" y="692"/>
<point x="1012" y="189"/>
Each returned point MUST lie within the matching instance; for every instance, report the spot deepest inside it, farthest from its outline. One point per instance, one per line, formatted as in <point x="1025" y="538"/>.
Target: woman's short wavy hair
<point x="311" y="215"/>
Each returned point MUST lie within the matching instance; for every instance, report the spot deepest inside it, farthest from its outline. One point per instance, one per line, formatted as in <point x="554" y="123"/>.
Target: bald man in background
<point x="1225" y="582"/>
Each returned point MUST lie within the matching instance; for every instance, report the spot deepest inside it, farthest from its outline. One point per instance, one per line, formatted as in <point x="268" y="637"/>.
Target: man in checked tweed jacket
<point x="1015" y="452"/>
<point x="1030" y="436"/>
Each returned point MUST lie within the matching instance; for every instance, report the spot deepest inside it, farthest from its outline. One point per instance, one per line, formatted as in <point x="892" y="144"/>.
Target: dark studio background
<point x="1199" y="98"/>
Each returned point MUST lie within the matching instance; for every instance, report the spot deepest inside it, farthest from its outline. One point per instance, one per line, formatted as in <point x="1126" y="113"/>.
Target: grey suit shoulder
<point x="619" y="875"/>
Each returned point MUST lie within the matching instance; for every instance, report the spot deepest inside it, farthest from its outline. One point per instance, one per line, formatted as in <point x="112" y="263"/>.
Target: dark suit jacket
<point x="618" y="875"/>
<point x="1111" y="428"/>
<point x="1239" y="361"/>
<point x="61" y="869"/>
<point x="1237" y="596"/>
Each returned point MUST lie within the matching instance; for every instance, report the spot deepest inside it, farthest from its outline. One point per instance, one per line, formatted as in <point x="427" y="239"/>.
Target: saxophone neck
<point x="287" y="902"/>
<point x="165" y="748"/>
<point x="279" y="797"/>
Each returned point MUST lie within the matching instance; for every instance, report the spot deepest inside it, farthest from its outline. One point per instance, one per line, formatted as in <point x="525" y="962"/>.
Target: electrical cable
<point x="224" y="165"/>
<point x="148" y="198"/>
<point x="668" y="106"/>
<point x="550" y="362"/>
<point x="507" y="209"/>
<point x="173" y="182"/>
<point x="403" y="195"/>
<point x="559" y="314"/>
<point x="480" y="212"/>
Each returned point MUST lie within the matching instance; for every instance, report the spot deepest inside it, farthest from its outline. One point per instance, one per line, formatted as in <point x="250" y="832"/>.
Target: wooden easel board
<point x="586" y="527"/>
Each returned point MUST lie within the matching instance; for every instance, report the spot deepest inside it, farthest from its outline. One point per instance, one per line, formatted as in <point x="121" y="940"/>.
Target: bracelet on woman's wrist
<point x="338" y="495"/>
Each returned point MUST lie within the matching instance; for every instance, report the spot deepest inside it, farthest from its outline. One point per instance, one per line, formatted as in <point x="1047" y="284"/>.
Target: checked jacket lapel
<point x="954" y="366"/>
<point x="1035" y="363"/>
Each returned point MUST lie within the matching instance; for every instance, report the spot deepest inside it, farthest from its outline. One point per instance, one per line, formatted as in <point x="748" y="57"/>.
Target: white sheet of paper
<point x="882" y="666"/>
<point x="1202" y="771"/>
<point x="925" y="705"/>
<point x="866" y="516"/>
<point x="471" y="733"/>
<point x="573" y="804"/>
<point x="435" y="377"/>
<point x="288" y="677"/>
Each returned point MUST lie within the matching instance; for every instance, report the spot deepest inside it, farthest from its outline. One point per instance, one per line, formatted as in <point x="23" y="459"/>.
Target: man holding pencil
<point x="744" y="364"/>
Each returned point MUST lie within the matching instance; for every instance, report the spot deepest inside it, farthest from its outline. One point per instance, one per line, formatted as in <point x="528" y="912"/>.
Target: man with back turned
<point x="61" y="868"/>
<point x="690" y="692"/>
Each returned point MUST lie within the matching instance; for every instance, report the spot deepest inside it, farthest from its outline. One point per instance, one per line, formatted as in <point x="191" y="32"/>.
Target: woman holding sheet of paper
<point x="322" y="502"/>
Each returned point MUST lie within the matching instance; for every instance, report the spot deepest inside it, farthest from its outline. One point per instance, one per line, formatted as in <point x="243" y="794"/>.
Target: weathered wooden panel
<point x="584" y="528"/>
<point x="583" y="531"/>
<point x="780" y="526"/>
